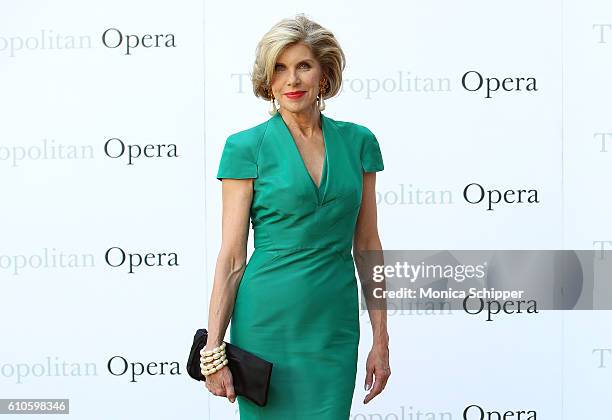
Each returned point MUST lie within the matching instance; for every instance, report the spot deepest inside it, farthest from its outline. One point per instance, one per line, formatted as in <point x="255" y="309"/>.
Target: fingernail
<point x="367" y="387"/>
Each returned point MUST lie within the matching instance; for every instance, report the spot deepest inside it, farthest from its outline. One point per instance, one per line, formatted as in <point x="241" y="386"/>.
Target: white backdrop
<point x="170" y="81"/>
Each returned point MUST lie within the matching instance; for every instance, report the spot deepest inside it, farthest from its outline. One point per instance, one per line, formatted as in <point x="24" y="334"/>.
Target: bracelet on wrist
<point x="208" y="372"/>
<point x="218" y="349"/>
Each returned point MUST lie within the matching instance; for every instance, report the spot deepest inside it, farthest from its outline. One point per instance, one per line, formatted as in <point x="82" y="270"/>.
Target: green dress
<point x="297" y="302"/>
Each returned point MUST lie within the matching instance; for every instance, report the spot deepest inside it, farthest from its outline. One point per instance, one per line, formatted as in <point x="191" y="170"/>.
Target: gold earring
<point x="322" y="90"/>
<point x="272" y="110"/>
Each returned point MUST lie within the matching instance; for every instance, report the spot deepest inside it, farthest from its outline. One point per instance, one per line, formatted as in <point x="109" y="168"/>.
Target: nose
<point x="293" y="78"/>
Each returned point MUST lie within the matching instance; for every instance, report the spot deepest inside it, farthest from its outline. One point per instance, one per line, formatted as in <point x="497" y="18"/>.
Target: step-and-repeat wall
<point x="113" y="116"/>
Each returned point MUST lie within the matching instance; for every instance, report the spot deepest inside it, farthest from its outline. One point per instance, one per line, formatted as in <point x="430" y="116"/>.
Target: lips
<point x="294" y="95"/>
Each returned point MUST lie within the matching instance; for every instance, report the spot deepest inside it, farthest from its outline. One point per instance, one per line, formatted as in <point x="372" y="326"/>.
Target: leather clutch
<point x="250" y="373"/>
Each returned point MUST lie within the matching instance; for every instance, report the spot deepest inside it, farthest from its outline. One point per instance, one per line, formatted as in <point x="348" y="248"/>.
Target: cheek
<point x="278" y="80"/>
<point x="276" y="85"/>
<point x="311" y="81"/>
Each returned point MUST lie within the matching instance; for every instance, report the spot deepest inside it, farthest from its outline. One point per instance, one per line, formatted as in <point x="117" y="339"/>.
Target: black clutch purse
<point x="250" y="374"/>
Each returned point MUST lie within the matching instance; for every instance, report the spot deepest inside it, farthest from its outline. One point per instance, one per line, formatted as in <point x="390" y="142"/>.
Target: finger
<point x="220" y="392"/>
<point x="369" y="378"/>
<point x="229" y="388"/>
<point x="229" y="391"/>
<point x="376" y="389"/>
<point x="216" y="389"/>
<point x="383" y="377"/>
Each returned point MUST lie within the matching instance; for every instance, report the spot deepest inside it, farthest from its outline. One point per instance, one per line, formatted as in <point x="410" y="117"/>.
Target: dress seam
<point x="303" y="248"/>
<point x="260" y="142"/>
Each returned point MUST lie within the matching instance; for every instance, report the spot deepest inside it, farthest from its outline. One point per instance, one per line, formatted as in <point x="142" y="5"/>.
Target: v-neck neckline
<point x="324" y="171"/>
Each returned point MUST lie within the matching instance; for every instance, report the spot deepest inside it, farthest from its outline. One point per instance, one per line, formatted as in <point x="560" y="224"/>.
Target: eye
<point x="278" y="67"/>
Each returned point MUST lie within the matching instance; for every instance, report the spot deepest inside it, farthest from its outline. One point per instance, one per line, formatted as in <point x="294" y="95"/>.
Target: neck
<point x="305" y="121"/>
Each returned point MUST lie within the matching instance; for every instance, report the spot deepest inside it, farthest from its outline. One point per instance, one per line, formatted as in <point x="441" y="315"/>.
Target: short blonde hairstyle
<point x="322" y="42"/>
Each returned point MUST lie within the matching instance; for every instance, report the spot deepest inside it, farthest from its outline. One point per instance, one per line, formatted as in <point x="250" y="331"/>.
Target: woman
<point x="307" y="183"/>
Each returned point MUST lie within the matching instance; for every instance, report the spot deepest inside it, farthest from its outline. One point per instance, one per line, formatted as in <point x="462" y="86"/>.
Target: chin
<point x="297" y="108"/>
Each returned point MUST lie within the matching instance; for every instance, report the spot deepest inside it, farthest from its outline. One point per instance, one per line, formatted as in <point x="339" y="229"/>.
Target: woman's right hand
<point x="221" y="384"/>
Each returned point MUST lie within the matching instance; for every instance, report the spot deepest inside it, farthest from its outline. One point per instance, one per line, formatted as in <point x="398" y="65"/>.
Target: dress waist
<point x="284" y="240"/>
<point x="343" y="252"/>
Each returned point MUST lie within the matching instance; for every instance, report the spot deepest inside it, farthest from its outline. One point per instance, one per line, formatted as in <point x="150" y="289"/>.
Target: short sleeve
<point x="371" y="157"/>
<point x="238" y="159"/>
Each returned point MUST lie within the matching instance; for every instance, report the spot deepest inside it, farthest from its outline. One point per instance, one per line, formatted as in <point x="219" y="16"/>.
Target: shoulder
<point x="356" y="133"/>
<point x="240" y="153"/>
<point x="249" y="139"/>
<point x="364" y="143"/>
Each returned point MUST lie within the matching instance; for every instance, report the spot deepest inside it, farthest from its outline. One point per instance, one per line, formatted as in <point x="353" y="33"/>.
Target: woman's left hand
<point x="377" y="365"/>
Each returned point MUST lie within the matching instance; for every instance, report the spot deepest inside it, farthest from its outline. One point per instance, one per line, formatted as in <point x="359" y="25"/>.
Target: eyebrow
<point x="308" y="60"/>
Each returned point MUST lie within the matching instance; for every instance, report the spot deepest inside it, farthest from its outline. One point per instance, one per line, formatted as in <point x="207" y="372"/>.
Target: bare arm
<point x="366" y="239"/>
<point x="231" y="261"/>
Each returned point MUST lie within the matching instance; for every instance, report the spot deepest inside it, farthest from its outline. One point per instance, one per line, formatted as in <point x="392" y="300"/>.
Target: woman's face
<point x="296" y="70"/>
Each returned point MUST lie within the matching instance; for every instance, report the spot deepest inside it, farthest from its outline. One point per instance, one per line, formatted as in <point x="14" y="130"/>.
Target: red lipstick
<point x="295" y="95"/>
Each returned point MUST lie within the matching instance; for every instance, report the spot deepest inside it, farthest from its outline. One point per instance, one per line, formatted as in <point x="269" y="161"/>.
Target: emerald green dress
<point x="297" y="302"/>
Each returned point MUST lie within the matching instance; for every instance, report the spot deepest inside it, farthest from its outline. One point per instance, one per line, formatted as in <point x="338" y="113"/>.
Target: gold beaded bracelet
<point x="212" y="358"/>
<point x="219" y="349"/>
<point x="215" y="369"/>
<point x="206" y="370"/>
<point x="208" y="366"/>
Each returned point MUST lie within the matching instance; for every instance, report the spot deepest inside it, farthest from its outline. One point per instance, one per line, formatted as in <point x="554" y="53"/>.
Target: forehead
<point x="295" y="52"/>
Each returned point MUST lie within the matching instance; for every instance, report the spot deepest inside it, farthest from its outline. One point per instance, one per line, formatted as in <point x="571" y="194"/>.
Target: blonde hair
<point x="323" y="44"/>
